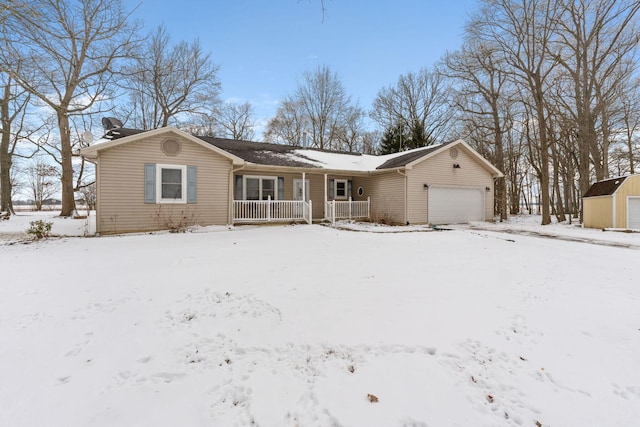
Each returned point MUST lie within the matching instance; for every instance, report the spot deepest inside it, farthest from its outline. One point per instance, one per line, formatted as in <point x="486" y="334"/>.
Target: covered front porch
<point x="303" y="197"/>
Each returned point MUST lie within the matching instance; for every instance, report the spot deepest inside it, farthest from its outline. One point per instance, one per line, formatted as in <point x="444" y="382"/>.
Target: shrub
<point x="40" y="229"/>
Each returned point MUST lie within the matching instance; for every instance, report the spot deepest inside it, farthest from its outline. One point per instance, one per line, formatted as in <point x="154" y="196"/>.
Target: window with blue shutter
<point x="332" y="194"/>
<point x="149" y="183"/>
<point x="192" y="173"/>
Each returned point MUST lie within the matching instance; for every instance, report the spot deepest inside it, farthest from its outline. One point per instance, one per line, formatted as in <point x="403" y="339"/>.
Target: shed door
<point x="454" y="205"/>
<point x="633" y="213"/>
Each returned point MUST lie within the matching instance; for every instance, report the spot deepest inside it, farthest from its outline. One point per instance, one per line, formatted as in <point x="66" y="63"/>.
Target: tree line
<point x="547" y="90"/>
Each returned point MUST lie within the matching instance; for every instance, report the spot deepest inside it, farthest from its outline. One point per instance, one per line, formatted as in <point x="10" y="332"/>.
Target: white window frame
<point x="346" y="189"/>
<point x="261" y="178"/>
<point x="183" y="169"/>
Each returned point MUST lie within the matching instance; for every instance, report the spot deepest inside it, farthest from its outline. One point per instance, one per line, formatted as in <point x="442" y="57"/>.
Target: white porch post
<point x="349" y="207"/>
<point x="304" y="187"/>
<point x="268" y="208"/>
<point x="310" y="211"/>
<point x="324" y="208"/>
<point x="333" y="212"/>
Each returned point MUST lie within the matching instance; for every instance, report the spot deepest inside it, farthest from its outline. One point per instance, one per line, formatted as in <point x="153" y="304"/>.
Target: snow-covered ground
<point x="297" y="325"/>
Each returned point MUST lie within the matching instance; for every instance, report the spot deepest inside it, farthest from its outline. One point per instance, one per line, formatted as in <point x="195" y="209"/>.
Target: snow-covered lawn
<point x="297" y="325"/>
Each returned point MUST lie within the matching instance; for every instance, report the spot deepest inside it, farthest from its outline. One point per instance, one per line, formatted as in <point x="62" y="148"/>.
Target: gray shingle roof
<point x="403" y="160"/>
<point x="605" y="188"/>
<point x="263" y="153"/>
<point x="260" y="153"/>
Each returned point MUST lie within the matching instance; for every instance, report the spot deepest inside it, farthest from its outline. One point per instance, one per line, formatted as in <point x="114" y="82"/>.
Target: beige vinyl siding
<point x="386" y="191"/>
<point x="598" y="212"/>
<point x="438" y="170"/>
<point x="121" y="206"/>
<point x="630" y="187"/>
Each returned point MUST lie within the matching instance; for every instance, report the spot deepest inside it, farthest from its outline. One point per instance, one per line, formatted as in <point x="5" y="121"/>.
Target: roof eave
<point x="92" y="152"/>
<point x="495" y="171"/>
<point x="300" y="169"/>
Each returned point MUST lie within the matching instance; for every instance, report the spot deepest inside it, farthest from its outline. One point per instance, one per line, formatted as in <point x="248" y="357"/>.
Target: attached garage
<point x="455" y="205"/>
<point x="613" y="203"/>
<point x="633" y="215"/>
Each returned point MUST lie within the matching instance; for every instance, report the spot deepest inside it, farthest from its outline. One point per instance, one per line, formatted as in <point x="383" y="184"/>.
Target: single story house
<point x="613" y="203"/>
<point x="166" y="178"/>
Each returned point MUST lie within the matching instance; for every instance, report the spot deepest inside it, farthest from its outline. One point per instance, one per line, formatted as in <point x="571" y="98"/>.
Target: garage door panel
<point x="633" y="213"/>
<point x="454" y="205"/>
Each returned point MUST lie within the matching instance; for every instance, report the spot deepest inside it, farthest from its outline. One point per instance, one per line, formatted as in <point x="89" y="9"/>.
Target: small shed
<point x="613" y="203"/>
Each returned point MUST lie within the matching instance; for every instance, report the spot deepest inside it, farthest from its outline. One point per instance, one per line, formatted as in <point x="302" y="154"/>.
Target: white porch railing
<point x="245" y="211"/>
<point x="347" y="210"/>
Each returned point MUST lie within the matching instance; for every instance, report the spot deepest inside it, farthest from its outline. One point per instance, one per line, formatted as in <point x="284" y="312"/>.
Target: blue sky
<point x="263" y="46"/>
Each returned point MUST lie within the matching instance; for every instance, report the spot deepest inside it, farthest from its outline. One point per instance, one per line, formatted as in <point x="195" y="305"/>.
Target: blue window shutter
<point x="238" y="193"/>
<point x="192" y="195"/>
<point x="280" y="188"/>
<point x="149" y="183"/>
<point x="332" y="194"/>
<point x="349" y="187"/>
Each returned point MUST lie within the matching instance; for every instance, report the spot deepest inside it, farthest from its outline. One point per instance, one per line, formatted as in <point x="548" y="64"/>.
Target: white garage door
<point x="633" y="213"/>
<point x="453" y="205"/>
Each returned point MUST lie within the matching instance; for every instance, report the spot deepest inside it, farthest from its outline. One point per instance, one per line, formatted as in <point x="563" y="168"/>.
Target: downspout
<point x="231" y="182"/>
<point x="613" y="213"/>
<point x="98" y="196"/>
<point x="406" y="215"/>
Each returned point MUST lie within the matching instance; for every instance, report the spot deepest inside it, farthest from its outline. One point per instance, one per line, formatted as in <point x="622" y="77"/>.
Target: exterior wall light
<point x="456" y="165"/>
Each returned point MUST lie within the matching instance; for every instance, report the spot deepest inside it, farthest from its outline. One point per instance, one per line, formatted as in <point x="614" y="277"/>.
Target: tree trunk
<point x="559" y="206"/>
<point x="500" y="188"/>
<point x="5" y="174"/>
<point x="5" y="158"/>
<point x="543" y="169"/>
<point x="68" y="199"/>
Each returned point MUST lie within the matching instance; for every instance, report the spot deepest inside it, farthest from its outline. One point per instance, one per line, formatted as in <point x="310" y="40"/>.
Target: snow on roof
<point x="285" y="155"/>
<point x="348" y="161"/>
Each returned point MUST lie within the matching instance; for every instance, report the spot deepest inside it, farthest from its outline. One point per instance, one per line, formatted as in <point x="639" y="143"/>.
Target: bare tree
<point x="64" y="52"/>
<point x="89" y="196"/>
<point x="43" y="182"/>
<point x="371" y="142"/>
<point x="417" y="105"/>
<point x="325" y="104"/>
<point x="596" y="38"/>
<point x="316" y="115"/>
<point x="14" y="129"/>
<point x="289" y="126"/>
<point x="236" y="121"/>
<point x="630" y="122"/>
<point x="170" y="81"/>
<point x="352" y="131"/>
<point x="522" y="32"/>
<point x="481" y="94"/>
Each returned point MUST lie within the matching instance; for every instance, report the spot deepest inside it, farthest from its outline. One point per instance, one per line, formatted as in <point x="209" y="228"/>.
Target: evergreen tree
<point x="393" y="141"/>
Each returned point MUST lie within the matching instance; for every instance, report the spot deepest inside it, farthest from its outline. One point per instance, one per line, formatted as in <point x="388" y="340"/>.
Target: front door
<point x="297" y="195"/>
<point x="297" y="189"/>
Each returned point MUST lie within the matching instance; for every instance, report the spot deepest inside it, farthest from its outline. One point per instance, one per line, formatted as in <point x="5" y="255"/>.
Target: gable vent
<point x="171" y="146"/>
